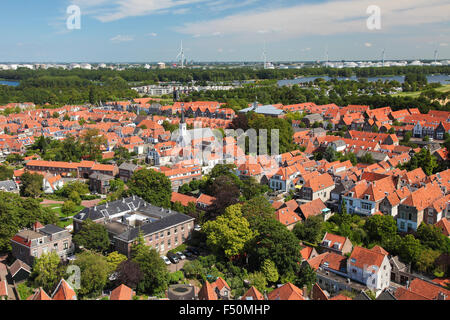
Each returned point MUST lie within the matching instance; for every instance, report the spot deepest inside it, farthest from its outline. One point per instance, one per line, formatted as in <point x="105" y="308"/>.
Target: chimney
<point x="441" y="296"/>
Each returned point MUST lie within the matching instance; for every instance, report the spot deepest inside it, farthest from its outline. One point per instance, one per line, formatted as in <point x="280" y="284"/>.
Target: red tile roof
<point x="122" y="292"/>
<point x="182" y="198"/>
<point x="287" y="291"/>
<point x="252" y="294"/>
<point x="207" y="292"/>
<point x="64" y="292"/>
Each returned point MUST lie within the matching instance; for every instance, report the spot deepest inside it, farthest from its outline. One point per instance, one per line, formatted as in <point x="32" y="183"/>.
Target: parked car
<point x="173" y="258"/>
<point x="197" y="227"/>
<point x="194" y="251"/>
<point x="187" y="253"/>
<point x="181" y="255"/>
<point x="167" y="261"/>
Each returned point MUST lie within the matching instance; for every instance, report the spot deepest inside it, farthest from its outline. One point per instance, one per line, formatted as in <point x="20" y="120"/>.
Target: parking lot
<point x="173" y="267"/>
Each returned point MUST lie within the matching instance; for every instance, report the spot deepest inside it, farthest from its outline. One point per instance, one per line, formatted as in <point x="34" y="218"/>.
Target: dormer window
<point x="366" y="197"/>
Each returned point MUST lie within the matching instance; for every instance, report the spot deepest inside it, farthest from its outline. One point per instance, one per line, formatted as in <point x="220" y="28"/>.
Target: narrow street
<point x="4" y="275"/>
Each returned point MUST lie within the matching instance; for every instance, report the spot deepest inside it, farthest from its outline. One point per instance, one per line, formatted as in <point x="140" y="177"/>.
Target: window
<point x="35" y="253"/>
<point x="161" y="235"/>
<point x="175" y="231"/>
<point x="366" y="206"/>
<point x="168" y="232"/>
<point x="66" y="245"/>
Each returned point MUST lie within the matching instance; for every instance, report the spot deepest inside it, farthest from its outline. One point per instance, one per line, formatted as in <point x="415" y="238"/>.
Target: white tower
<point x="181" y="55"/>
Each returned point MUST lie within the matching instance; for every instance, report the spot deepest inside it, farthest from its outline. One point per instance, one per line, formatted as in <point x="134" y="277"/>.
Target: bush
<point x="176" y="277"/>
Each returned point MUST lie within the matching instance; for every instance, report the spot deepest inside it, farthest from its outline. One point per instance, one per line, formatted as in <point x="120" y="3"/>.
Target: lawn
<point x="64" y="221"/>
<point x="416" y="94"/>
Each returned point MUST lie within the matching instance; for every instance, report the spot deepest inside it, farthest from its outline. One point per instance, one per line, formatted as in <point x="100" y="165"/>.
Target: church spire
<point x="182" y="113"/>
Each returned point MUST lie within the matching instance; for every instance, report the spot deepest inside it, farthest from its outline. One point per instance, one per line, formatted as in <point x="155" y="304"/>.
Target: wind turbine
<point x="383" y="56"/>
<point x="181" y="54"/>
<point x="264" y="56"/>
<point x="435" y="55"/>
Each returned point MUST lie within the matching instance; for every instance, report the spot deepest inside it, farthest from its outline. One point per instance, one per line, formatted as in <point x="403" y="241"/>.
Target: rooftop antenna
<point x="181" y="55"/>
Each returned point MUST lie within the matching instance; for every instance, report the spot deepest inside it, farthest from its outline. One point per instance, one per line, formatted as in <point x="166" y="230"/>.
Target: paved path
<point x="84" y="203"/>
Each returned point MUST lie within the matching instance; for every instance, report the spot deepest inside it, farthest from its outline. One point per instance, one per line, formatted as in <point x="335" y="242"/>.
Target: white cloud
<point x="152" y="34"/>
<point x="121" y="38"/>
<point x="112" y="10"/>
<point x="329" y="18"/>
<point x="368" y="44"/>
<point x="443" y="44"/>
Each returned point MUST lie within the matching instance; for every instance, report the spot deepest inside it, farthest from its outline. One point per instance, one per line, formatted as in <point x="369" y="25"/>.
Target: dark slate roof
<point x="101" y="176"/>
<point x="8" y="185"/>
<point x="51" y="229"/>
<point x="386" y="295"/>
<point x="17" y="265"/>
<point x="128" y="166"/>
<point x="111" y="208"/>
<point x="149" y="228"/>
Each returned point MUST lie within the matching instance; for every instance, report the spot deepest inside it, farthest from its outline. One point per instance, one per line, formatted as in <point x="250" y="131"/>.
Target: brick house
<point x="30" y="244"/>
<point x="163" y="229"/>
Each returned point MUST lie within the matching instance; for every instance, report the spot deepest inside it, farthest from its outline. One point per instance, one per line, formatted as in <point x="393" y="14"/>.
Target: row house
<point x="411" y="212"/>
<point x="284" y="179"/>
<point x="179" y="175"/>
<point x="365" y="197"/>
<point x="370" y="267"/>
<point x="318" y="187"/>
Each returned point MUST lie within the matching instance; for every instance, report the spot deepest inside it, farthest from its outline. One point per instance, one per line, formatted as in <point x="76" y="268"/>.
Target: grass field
<point x="63" y="220"/>
<point x="444" y="88"/>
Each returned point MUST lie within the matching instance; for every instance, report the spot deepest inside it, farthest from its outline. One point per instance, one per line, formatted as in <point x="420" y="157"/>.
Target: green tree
<point x="152" y="186"/>
<point x="68" y="208"/>
<point x="330" y="155"/>
<point x="17" y="213"/>
<point x="92" y="236"/>
<point x="270" y="271"/>
<point x="257" y="207"/>
<point x="47" y="271"/>
<point x="229" y="233"/>
<point x="380" y="228"/>
<point x="155" y="275"/>
<point x="306" y="277"/>
<point x="410" y="249"/>
<point x="275" y="242"/>
<point x="92" y="142"/>
<point x="94" y="273"/>
<point x="426" y="259"/>
<point x="75" y="198"/>
<point x="6" y="172"/>
<point x="258" y="280"/>
<point x="31" y="185"/>
<point x="114" y="259"/>
<point x="310" y="230"/>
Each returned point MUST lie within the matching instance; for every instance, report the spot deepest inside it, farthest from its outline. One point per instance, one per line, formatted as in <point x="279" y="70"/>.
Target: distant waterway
<point x="435" y="78"/>
<point x="9" y="83"/>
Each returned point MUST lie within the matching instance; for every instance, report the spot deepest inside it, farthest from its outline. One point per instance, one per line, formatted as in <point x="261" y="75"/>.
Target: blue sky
<point x="222" y="30"/>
